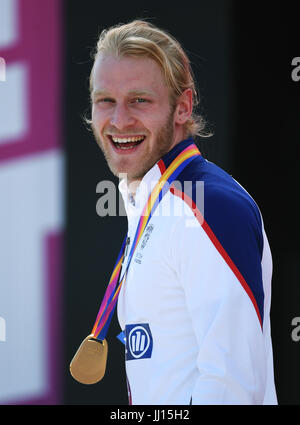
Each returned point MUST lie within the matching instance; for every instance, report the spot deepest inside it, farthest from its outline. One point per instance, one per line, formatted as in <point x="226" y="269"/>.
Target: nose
<point x="121" y="117"/>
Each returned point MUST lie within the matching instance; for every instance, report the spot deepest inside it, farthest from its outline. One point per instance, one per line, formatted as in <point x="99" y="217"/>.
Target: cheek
<point x="161" y="123"/>
<point x="98" y="120"/>
<point x="95" y="113"/>
<point x="94" y="118"/>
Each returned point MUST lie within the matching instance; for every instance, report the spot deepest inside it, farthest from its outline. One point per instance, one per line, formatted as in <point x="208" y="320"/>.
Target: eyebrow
<point x="95" y="93"/>
<point x="141" y="93"/>
<point x="138" y="92"/>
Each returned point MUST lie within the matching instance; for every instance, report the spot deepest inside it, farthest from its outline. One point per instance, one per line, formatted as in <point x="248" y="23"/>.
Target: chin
<point x="132" y="173"/>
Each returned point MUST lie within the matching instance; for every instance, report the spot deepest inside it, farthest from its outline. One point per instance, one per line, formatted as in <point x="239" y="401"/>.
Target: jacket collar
<point x="167" y="159"/>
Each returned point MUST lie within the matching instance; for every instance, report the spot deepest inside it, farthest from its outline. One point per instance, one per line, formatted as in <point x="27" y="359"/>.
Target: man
<point x="194" y="305"/>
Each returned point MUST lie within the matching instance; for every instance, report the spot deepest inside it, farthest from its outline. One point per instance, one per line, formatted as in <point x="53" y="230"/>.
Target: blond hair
<point x="142" y="39"/>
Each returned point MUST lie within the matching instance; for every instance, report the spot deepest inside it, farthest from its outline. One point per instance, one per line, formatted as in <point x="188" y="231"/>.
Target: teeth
<point x="128" y="139"/>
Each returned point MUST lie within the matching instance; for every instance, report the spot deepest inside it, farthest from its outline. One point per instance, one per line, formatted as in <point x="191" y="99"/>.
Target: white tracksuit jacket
<point x="196" y="301"/>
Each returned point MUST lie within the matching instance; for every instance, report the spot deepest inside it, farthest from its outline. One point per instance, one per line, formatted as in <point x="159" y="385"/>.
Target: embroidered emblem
<point x="139" y="342"/>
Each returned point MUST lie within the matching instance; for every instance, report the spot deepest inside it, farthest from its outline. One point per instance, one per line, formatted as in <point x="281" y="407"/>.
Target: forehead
<point x="127" y="73"/>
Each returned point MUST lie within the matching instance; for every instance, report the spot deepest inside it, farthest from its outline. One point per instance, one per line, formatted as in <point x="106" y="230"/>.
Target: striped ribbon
<point x="113" y="289"/>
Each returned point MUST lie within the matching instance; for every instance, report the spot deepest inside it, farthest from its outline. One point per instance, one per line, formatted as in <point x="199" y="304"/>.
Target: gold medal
<point x="89" y="363"/>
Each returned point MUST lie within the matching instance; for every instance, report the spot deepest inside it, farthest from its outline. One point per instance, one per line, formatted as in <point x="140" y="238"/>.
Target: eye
<point x="103" y="100"/>
<point x="139" y="100"/>
<point x="107" y="100"/>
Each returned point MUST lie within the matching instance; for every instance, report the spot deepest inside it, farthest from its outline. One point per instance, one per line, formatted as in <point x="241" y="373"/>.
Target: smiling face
<point x="132" y="119"/>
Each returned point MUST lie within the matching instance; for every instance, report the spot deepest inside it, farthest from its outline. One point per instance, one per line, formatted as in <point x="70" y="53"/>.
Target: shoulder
<point x="231" y="221"/>
<point x="221" y="200"/>
<point x="226" y="212"/>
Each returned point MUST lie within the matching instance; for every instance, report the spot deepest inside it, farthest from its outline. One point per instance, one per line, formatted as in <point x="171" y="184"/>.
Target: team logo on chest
<point x="139" y="342"/>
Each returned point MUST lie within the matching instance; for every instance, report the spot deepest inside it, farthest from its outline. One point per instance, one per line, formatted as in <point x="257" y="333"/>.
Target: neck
<point x="133" y="185"/>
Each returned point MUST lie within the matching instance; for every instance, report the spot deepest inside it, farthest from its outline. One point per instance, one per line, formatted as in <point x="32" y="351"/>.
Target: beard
<point x="162" y="144"/>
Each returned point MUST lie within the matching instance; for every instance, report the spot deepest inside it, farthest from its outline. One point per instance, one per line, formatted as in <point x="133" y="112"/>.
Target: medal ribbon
<point x="113" y="289"/>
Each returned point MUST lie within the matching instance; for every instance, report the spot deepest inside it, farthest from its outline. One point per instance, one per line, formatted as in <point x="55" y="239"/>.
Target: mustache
<point x="112" y="132"/>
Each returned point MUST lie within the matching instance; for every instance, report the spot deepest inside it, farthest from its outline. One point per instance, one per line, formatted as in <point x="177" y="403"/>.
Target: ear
<point x="184" y="107"/>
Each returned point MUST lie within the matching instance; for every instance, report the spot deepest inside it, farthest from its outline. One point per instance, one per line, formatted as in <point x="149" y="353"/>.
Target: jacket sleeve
<point x="218" y="261"/>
